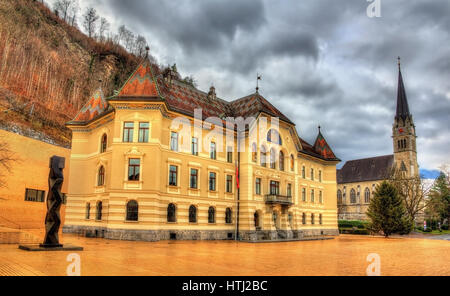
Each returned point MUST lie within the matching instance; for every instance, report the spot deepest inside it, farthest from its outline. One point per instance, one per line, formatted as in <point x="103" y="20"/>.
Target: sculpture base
<point x="47" y="248"/>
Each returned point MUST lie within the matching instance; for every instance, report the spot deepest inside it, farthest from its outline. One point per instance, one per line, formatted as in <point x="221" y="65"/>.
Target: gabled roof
<point x="95" y="106"/>
<point x="368" y="169"/>
<point x="322" y="148"/>
<point x="141" y="83"/>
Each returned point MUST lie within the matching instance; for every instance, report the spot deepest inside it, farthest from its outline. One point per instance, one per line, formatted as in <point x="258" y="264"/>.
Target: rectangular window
<point x="312" y="195"/>
<point x="289" y="190"/>
<point x="230" y="154"/>
<point x="34" y="195"/>
<point x="174" y="141"/>
<point x="64" y="198"/>
<point x="258" y="186"/>
<point x="320" y="176"/>
<point x="303" y="172"/>
<point x="274" y="188"/>
<point x="194" y="146"/>
<point x="212" y="151"/>
<point x="128" y="128"/>
<point x="173" y="175"/>
<point x="320" y="197"/>
<point x="194" y="179"/>
<point x="312" y="174"/>
<point x="303" y="194"/>
<point x="212" y="181"/>
<point x="134" y="168"/>
<point x="143" y="132"/>
<point x="229" y="184"/>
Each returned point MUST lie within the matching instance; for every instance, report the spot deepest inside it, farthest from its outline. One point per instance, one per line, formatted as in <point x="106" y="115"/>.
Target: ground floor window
<point x="303" y="218"/>
<point x="99" y="211"/>
<point x="228" y="216"/>
<point x="34" y="195"/>
<point x="320" y="219"/>
<point x="132" y="210"/>
<point x="192" y="214"/>
<point x="211" y="215"/>
<point x="88" y="211"/>
<point x="312" y="219"/>
<point x="171" y="213"/>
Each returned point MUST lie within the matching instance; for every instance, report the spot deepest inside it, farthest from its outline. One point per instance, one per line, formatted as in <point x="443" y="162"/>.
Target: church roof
<point x="402" y="100"/>
<point x="95" y="106"/>
<point x="368" y="169"/>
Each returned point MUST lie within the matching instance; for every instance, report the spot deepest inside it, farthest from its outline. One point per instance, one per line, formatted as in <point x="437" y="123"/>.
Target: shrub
<point x="444" y="227"/>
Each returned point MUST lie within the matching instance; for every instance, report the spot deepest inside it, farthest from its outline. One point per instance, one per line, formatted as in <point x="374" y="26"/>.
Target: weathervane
<point x="258" y="78"/>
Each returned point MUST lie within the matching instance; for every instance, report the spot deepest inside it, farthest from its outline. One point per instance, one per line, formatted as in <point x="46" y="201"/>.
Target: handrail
<point x="276" y="198"/>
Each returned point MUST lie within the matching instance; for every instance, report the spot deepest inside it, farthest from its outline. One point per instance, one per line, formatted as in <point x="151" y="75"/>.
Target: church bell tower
<point x="404" y="134"/>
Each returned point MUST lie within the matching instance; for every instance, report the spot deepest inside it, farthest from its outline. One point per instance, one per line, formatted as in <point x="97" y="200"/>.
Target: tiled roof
<point x="321" y="147"/>
<point x="147" y="83"/>
<point x="368" y="169"/>
<point x="93" y="108"/>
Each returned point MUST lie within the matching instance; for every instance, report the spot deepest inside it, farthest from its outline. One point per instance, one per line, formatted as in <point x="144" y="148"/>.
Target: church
<point x="131" y="178"/>
<point x="357" y="179"/>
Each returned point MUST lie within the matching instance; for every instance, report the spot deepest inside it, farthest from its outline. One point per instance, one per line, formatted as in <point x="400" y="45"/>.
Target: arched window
<point x="367" y="195"/>
<point x="101" y="176"/>
<point x="228" y="216"/>
<point x="256" y="217"/>
<point x="292" y="162"/>
<point x="88" y="211"/>
<point x="192" y="214"/>
<point x="132" y="210"/>
<point x="339" y="196"/>
<point x="211" y="215"/>
<point x="353" y="196"/>
<point x="281" y="161"/>
<point x="312" y="219"/>
<point x="99" y="211"/>
<point x="262" y="156"/>
<point x="303" y="218"/>
<point x="273" y="136"/>
<point x="272" y="158"/>
<point x="171" y="213"/>
<point x="104" y="143"/>
<point x="254" y="153"/>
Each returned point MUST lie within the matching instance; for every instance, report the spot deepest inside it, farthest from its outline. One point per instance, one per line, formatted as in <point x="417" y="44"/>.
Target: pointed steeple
<point x="321" y="147"/>
<point x="402" y="101"/>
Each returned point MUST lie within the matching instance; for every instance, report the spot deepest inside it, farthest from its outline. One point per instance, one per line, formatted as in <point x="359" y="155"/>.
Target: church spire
<point x="402" y="101"/>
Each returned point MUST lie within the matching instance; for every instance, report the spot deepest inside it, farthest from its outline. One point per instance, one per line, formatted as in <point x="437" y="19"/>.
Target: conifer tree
<point x="387" y="213"/>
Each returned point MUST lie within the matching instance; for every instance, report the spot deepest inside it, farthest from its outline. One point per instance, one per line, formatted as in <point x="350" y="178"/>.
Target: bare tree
<point x="73" y="12"/>
<point x="6" y="161"/>
<point x="141" y="44"/>
<point x="413" y="192"/>
<point x="103" y="28"/>
<point x="63" y="8"/>
<point x="90" y="21"/>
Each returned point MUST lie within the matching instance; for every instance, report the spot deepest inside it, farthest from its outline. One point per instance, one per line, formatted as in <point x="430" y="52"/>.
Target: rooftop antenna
<point x="258" y="78"/>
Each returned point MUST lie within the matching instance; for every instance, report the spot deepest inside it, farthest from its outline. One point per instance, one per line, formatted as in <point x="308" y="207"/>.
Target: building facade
<point x="137" y="174"/>
<point x="357" y="179"/>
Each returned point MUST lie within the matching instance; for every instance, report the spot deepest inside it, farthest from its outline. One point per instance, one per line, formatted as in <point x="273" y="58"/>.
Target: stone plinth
<point x="43" y="248"/>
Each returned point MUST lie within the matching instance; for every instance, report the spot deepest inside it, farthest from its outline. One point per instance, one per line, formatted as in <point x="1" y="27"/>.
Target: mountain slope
<point x="48" y="70"/>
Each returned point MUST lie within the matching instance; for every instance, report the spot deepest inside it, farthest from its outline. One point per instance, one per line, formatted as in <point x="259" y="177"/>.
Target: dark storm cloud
<point x="323" y="62"/>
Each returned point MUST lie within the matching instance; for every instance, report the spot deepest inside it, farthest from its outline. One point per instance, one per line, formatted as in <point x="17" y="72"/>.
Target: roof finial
<point x="319" y="128"/>
<point x="147" y="49"/>
<point x="258" y="78"/>
<point x="399" y="62"/>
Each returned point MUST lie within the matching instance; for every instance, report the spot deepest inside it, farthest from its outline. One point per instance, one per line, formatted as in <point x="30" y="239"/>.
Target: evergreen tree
<point x="387" y="212"/>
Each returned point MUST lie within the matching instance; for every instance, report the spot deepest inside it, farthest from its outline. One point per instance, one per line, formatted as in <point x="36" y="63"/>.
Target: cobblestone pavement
<point x="344" y="255"/>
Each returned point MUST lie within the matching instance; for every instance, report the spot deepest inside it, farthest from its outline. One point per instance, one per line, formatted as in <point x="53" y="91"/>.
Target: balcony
<point x="279" y="199"/>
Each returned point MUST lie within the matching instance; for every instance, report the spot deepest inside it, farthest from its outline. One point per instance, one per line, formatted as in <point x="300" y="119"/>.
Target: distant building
<point x="357" y="179"/>
<point x="131" y="180"/>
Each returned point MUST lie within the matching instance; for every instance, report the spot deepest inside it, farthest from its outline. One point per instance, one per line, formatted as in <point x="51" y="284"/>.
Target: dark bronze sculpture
<point x="53" y="217"/>
<point x="54" y="201"/>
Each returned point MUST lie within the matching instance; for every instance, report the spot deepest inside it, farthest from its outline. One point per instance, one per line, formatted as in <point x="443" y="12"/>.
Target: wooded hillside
<point x="48" y="70"/>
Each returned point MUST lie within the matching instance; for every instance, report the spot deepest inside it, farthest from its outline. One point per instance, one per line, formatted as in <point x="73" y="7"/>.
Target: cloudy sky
<point x="322" y="62"/>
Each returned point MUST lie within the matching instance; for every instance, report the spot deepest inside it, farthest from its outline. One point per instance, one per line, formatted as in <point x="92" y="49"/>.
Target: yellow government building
<point x="130" y="179"/>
